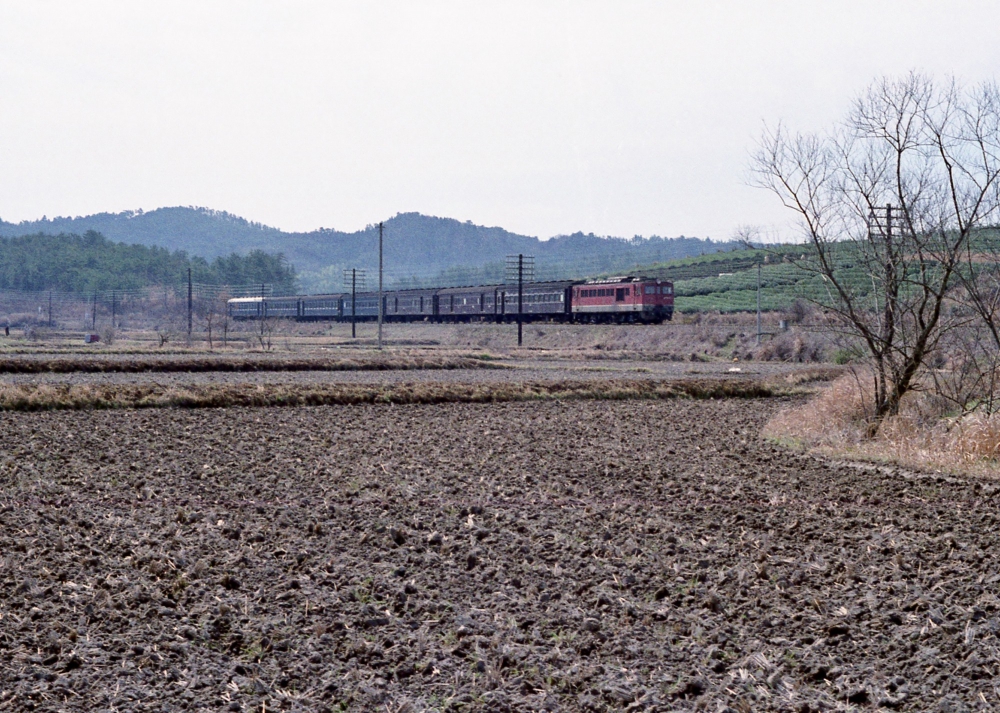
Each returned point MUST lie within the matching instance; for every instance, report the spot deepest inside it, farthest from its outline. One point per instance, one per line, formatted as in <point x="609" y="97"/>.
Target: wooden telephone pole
<point x="380" y="298"/>
<point x="519" y="268"/>
<point x="351" y="279"/>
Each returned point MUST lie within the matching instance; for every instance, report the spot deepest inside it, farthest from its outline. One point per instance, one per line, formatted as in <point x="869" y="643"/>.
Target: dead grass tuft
<point x="923" y="436"/>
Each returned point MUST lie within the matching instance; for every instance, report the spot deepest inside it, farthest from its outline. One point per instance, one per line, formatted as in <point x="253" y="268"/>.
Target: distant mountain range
<point x="418" y="249"/>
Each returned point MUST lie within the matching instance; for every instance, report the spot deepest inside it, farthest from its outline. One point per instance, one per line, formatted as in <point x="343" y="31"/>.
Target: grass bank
<point x="926" y="435"/>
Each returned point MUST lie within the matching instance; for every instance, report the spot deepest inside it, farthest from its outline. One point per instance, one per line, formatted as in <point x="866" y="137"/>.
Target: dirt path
<point x="562" y="556"/>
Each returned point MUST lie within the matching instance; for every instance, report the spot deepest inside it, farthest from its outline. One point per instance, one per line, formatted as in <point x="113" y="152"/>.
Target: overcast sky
<point x="616" y="117"/>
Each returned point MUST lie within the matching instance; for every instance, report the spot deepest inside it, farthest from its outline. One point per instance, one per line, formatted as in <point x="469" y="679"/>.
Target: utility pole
<point x="351" y="279"/>
<point x="758" y="304"/>
<point x="520" y="297"/>
<point x="380" y="286"/>
<point x="519" y="267"/>
<point x="50" y="309"/>
<point x="93" y="315"/>
<point x="889" y="260"/>
<point x="877" y="229"/>
<point x="190" y="307"/>
<point x="114" y="308"/>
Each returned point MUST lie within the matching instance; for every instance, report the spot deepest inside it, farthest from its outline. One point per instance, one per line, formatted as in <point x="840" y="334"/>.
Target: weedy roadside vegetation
<point x="928" y="432"/>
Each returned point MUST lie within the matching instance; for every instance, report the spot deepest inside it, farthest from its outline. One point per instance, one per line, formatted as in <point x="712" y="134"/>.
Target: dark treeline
<point x="91" y="262"/>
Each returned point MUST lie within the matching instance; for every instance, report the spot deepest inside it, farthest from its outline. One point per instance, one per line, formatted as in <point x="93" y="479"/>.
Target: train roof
<point x="258" y="298"/>
<point x="561" y="284"/>
<point x="528" y="287"/>
<point x="621" y="279"/>
<point x="414" y="291"/>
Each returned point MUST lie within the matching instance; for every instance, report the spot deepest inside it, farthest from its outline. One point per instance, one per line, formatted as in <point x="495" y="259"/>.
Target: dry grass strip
<point x="40" y="397"/>
<point x="925" y="435"/>
<point x="131" y="365"/>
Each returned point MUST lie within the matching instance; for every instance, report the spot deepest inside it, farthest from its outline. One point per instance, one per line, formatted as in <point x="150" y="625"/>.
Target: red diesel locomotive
<point x="623" y="299"/>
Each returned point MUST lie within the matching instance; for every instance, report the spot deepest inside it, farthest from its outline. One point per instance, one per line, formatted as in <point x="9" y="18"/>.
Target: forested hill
<point x="419" y="249"/>
<point x="91" y="262"/>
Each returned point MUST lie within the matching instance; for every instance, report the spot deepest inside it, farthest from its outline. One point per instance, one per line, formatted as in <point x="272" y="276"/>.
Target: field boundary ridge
<point x="44" y="397"/>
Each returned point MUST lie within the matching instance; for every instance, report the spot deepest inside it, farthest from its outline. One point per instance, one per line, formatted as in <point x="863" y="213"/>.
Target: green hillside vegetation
<point x="91" y="262"/>
<point x="727" y="282"/>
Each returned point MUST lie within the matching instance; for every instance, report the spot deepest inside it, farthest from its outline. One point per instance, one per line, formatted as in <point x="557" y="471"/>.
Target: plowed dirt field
<point x="586" y="555"/>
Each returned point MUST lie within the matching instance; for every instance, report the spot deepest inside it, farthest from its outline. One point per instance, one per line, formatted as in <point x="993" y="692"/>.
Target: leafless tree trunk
<point x="265" y="332"/>
<point x="209" y="319"/>
<point x="890" y="202"/>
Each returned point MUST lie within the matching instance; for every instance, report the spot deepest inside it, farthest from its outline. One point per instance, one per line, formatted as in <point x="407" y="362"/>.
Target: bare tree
<point x="164" y="332"/>
<point x="211" y="309"/>
<point x="210" y="318"/>
<point x="981" y="295"/>
<point x="225" y="328"/>
<point x="749" y="236"/>
<point x="890" y="201"/>
<point x="222" y="307"/>
<point x="266" y="327"/>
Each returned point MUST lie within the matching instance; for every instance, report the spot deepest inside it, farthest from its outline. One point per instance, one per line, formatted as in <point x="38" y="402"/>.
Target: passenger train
<point x="611" y="300"/>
